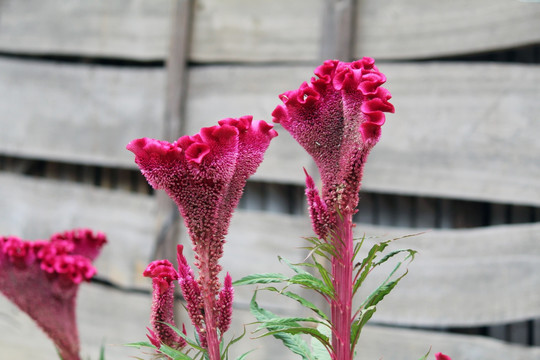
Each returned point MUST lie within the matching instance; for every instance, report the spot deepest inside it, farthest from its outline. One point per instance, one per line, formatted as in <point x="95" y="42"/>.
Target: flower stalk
<point x="205" y="175"/>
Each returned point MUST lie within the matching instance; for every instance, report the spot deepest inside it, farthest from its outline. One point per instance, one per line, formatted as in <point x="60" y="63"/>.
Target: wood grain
<point x="424" y="29"/>
<point x="404" y="344"/>
<point x="266" y="30"/>
<point x="460" y="131"/>
<point x="77" y="113"/>
<point x="125" y="29"/>
<point x="461" y="278"/>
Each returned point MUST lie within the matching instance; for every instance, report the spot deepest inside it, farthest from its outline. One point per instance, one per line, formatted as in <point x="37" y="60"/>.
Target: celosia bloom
<point x="42" y="278"/>
<point x="441" y="356"/>
<point x="337" y="118"/>
<point x="163" y="276"/>
<point x="205" y="175"/>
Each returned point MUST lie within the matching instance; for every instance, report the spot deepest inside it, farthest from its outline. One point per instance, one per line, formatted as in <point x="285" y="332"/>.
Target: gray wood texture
<point x="405" y="344"/>
<point x="131" y="29"/>
<point x="423" y="29"/>
<point x="267" y="30"/>
<point x="74" y="113"/>
<point x="466" y="131"/>
<point x="460" y="278"/>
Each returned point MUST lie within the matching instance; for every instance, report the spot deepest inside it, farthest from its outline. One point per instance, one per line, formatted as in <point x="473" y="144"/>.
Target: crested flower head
<point x="163" y="276"/>
<point x="337" y="118"/>
<point x="42" y="278"/>
<point x="205" y="173"/>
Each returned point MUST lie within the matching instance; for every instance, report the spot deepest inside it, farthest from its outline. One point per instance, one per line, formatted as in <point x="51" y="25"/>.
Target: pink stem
<point x="342" y="266"/>
<point x="207" y="280"/>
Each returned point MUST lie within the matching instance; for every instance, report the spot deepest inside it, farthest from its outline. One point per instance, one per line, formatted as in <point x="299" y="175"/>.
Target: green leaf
<point x="295" y="343"/>
<point x="358" y="324"/>
<point x="243" y="356"/>
<point x="102" y="352"/>
<point x="311" y="282"/>
<point x="305" y="303"/>
<point x="140" y="344"/>
<point x="173" y="353"/>
<point x="195" y="345"/>
<point x="425" y="356"/>
<point x="279" y="322"/>
<point x="233" y="341"/>
<point x="294" y="267"/>
<point x="266" y="278"/>
<point x="320" y="351"/>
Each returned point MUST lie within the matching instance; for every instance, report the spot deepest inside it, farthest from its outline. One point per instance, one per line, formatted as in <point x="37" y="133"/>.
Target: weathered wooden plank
<point x="475" y="277"/>
<point x="423" y="29"/>
<point x="35" y="209"/>
<point x="231" y="91"/>
<point x="84" y="114"/>
<point x="460" y="130"/>
<point x="402" y="344"/>
<point x="266" y="30"/>
<point x="235" y="30"/>
<point x="130" y="29"/>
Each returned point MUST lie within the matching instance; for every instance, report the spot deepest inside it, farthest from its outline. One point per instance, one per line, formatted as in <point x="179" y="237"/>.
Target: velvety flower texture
<point x="205" y="175"/>
<point x="163" y="276"/>
<point x="42" y="278"/>
<point x="337" y="118"/>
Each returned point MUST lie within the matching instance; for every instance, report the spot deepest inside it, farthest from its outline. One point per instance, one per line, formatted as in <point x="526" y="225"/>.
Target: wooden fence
<point x="80" y="79"/>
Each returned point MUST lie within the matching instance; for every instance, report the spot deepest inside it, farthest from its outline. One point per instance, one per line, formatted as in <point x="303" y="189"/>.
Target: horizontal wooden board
<point x="78" y="113"/>
<point x="424" y="29"/>
<point x="37" y="208"/>
<point x="460" y="131"/>
<point x="402" y="344"/>
<point x="266" y="30"/>
<point x="130" y="29"/>
<point x="461" y="278"/>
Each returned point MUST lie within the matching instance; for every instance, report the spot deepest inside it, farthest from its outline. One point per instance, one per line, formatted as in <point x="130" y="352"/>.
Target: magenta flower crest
<point x="42" y="278"/>
<point x="337" y="119"/>
<point x="205" y="175"/>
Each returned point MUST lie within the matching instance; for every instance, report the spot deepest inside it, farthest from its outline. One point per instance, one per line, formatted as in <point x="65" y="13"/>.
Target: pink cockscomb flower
<point x="205" y="175"/>
<point x="163" y="276"/>
<point x="42" y="278"/>
<point x="337" y="119"/>
<point x="441" y="356"/>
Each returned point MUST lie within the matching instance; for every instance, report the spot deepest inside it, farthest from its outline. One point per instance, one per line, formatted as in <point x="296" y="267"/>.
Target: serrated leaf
<point x="321" y="352"/>
<point x="294" y="267"/>
<point x="265" y="278"/>
<point x="358" y="324"/>
<point x="311" y="282"/>
<point x="293" y="342"/>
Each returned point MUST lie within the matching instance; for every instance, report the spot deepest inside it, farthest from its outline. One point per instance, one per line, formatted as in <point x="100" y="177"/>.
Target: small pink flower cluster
<point x="42" y="279"/>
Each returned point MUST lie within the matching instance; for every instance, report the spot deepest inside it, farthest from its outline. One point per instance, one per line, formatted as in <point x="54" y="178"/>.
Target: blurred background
<point x="459" y="158"/>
